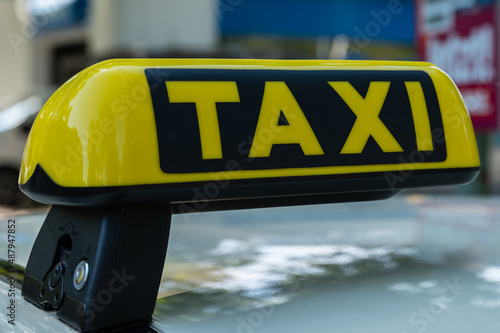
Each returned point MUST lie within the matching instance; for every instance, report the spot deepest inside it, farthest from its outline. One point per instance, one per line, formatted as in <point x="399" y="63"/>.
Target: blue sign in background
<point x="313" y="18"/>
<point x="52" y="15"/>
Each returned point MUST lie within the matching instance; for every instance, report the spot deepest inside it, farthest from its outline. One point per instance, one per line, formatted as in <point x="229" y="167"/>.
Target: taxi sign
<point x="275" y="120"/>
<point x="183" y="131"/>
<point x="126" y="143"/>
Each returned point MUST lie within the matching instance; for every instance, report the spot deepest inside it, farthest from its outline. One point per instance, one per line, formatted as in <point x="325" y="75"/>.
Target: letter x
<point x="367" y="111"/>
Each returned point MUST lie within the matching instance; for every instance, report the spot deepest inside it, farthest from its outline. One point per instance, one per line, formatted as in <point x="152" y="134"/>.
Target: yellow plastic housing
<point x="99" y="129"/>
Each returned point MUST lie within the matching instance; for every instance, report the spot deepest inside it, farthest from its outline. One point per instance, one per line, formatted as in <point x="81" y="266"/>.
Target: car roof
<point x="405" y="264"/>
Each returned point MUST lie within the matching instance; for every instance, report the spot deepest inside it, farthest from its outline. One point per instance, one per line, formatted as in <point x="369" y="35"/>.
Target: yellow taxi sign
<point x="135" y="140"/>
<point x="184" y="131"/>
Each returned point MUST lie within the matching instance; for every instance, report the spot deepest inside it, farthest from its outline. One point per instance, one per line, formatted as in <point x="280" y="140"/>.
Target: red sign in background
<point x="465" y="47"/>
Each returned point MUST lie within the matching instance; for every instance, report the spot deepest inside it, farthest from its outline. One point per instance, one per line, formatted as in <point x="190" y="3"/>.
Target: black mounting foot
<point x="99" y="266"/>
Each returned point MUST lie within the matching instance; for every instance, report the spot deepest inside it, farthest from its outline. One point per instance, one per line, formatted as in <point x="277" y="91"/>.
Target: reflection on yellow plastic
<point x="99" y="128"/>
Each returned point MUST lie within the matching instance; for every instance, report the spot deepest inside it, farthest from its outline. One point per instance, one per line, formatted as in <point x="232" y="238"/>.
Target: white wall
<point x="15" y="54"/>
<point x="43" y="47"/>
<point x="153" y="25"/>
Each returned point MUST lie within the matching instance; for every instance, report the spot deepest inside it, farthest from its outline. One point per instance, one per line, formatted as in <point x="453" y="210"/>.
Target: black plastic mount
<point x="247" y="193"/>
<point x="99" y="266"/>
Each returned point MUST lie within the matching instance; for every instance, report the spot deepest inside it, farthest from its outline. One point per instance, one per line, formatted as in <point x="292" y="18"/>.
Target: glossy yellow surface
<point x="99" y="129"/>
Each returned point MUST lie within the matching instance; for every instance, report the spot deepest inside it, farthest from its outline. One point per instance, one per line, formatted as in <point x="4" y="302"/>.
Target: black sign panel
<point x="328" y="115"/>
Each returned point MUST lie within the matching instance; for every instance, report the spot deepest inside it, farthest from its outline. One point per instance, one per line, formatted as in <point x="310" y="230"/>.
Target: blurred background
<point x="45" y="42"/>
<point x="365" y="267"/>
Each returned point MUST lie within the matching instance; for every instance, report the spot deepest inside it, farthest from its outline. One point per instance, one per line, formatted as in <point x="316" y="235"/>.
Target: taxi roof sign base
<point x="243" y="194"/>
<point x="125" y="248"/>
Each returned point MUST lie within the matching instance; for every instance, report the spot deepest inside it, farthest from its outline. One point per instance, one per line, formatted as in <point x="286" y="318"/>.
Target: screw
<point x="80" y="275"/>
<point x="55" y="275"/>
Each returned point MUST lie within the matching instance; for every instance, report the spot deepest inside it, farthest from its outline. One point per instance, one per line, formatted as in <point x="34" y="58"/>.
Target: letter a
<point x="279" y="99"/>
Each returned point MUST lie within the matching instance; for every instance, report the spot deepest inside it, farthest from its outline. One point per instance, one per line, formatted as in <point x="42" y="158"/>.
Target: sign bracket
<point x="99" y="265"/>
